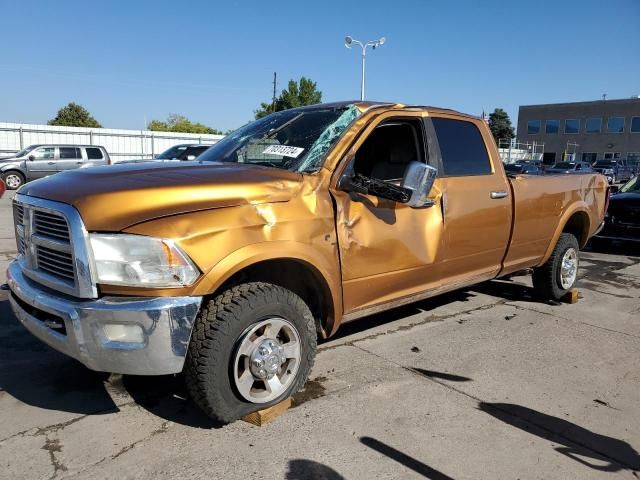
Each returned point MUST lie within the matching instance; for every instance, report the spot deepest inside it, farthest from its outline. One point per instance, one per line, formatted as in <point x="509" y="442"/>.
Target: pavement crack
<point x="53" y="446"/>
<point x="556" y="316"/>
<point x="427" y="319"/>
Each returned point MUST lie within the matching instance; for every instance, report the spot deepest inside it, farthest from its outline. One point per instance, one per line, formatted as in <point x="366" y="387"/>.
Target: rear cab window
<point x="463" y="151"/>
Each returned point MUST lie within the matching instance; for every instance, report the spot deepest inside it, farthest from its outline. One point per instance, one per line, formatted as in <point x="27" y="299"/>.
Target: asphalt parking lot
<point x="483" y="383"/>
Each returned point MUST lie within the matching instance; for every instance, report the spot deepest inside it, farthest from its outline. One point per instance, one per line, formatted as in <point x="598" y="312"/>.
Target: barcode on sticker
<point x="283" y="150"/>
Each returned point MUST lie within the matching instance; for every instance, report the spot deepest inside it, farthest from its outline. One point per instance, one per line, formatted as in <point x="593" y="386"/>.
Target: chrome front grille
<point x="56" y="263"/>
<point x="52" y="245"/>
<point x="50" y="225"/>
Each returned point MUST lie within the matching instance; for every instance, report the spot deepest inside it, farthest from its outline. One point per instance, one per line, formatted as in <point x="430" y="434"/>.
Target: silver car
<point x="37" y="161"/>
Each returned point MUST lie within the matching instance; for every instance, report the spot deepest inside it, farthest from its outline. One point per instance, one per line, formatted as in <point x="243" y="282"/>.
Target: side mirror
<point x="614" y="189"/>
<point x="191" y="157"/>
<point x="419" y="178"/>
<point x="32" y="158"/>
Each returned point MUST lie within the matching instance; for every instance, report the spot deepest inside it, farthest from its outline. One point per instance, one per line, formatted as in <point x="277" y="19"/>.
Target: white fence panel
<point x="121" y="144"/>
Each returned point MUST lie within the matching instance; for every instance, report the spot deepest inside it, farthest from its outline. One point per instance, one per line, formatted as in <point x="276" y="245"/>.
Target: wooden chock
<point x="570" y="297"/>
<point x="262" y="417"/>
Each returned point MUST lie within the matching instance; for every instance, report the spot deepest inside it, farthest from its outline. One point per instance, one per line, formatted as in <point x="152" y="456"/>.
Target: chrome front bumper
<point x="165" y="324"/>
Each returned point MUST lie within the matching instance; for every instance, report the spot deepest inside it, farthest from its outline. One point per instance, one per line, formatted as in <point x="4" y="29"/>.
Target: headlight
<point x="139" y="261"/>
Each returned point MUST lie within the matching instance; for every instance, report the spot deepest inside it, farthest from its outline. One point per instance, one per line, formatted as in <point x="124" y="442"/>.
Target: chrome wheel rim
<point x="266" y="360"/>
<point x="12" y="181"/>
<point x="568" y="268"/>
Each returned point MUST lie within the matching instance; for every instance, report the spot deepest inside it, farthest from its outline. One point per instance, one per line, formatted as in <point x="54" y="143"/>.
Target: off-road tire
<point x="217" y="329"/>
<point x="546" y="278"/>
<point x="10" y="173"/>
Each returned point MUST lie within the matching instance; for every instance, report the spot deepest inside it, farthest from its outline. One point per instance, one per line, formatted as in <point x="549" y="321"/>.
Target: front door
<point x="387" y="250"/>
<point x="476" y="201"/>
<point x="41" y="162"/>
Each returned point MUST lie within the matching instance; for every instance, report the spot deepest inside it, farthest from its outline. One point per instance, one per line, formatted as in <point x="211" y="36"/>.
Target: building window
<point x="635" y="124"/>
<point x="572" y="125"/>
<point x="615" y="125"/>
<point x="533" y="127"/>
<point x="633" y="158"/>
<point x="551" y="126"/>
<point x="611" y="155"/>
<point x="589" y="157"/>
<point x="594" y="125"/>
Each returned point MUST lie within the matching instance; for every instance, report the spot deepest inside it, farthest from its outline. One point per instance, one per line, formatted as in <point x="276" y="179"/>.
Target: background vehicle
<point x="522" y="168"/>
<point x="615" y="170"/>
<point x="37" y="161"/>
<point x="622" y="221"/>
<point x="177" y="152"/>
<point x="3" y="187"/>
<point x="230" y="267"/>
<point x="570" y="167"/>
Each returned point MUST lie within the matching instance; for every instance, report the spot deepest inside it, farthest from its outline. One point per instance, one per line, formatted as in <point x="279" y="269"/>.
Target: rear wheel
<point x="252" y="346"/>
<point x="13" y="179"/>
<point x="558" y="275"/>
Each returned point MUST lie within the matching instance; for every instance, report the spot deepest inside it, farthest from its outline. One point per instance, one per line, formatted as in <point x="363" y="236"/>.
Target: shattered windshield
<point x="295" y="140"/>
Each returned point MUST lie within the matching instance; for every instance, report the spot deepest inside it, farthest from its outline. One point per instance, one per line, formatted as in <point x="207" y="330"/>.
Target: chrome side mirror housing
<point x="419" y="178"/>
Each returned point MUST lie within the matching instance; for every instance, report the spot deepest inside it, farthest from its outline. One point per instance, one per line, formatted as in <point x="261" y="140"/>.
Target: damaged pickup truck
<point x="230" y="267"/>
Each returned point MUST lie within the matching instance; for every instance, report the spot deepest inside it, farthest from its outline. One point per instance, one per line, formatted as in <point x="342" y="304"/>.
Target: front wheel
<point x="558" y="275"/>
<point x="252" y="347"/>
<point x="13" y="179"/>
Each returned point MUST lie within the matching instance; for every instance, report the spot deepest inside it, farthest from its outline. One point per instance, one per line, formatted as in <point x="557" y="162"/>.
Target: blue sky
<point x="213" y="62"/>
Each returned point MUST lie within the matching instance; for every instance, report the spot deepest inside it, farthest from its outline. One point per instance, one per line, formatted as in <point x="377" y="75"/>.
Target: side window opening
<point x="389" y="149"/>
<point x="94" y="153"/>
<point x="462" y="149"/>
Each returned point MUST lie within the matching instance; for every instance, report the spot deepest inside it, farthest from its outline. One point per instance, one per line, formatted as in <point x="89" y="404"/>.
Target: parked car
<point x="615" y="170"/>
<point x="570" y="167"/>
<point x="522" y="168"/>
<point x="37" y="161"/>
<point x="229" y="268"/>
<point x="622" y="221"/>
<point x="182" y="152"/>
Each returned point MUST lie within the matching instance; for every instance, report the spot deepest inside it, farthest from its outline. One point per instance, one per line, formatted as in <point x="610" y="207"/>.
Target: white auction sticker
<point x="284" y="150"/>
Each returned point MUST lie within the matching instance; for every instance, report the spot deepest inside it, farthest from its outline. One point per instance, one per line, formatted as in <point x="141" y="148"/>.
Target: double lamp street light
<point x="349" y="42"/>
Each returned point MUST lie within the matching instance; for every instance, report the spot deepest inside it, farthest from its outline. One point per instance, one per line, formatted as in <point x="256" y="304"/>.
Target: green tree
<point x="74" y="115"/>
<point x="180" y="123"/>
<point x="297" y="94"/>
<point x="500" y="125"/>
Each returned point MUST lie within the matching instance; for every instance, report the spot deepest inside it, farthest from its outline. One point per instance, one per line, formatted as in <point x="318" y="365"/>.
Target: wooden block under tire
<point x="570" y="297"/>
<point x="267" y="415"/>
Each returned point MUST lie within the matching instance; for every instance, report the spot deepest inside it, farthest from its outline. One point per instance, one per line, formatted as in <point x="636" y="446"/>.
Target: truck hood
<point x="112" y="198"/>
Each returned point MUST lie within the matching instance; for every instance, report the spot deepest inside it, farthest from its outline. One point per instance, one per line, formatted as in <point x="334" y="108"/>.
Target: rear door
<point x="69" y="158"/>
<point x="476" y="200"/>
<point x="41" y="162"/>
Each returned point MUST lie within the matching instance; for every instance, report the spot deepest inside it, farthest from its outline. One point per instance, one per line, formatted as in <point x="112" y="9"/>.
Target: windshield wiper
<point x="274" y="131"/>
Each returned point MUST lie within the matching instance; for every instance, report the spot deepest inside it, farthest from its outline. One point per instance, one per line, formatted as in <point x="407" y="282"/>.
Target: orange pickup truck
<point x="230" y="267"/>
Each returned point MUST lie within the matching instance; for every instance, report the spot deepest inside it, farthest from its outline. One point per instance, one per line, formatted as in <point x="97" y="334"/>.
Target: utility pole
<point x="273" y="102"/>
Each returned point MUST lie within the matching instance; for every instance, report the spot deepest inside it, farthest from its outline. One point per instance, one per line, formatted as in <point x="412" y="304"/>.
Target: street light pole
<point x="349" y="41"/>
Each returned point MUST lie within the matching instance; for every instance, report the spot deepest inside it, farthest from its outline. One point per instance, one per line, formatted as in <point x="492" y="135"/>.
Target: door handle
<point x="51" y="163"/>
<point x="498" y="194"/>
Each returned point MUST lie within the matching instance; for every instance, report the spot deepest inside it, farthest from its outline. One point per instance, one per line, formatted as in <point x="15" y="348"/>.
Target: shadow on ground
<point x="300" y="469"/>
<point x="404" y="459"/>
<point x="38" y="375"/>
<point x="591" y="449"/>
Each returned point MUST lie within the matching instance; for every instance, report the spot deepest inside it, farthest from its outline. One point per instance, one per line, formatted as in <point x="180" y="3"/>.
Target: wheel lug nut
<point x="262" y="372"/>
<point x="258" y="362"/>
